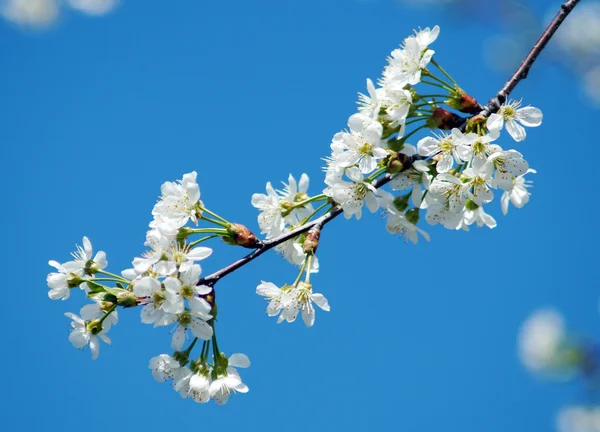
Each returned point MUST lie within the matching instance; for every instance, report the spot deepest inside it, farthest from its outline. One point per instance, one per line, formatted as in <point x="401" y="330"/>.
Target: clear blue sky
<point x="97" y="113"/>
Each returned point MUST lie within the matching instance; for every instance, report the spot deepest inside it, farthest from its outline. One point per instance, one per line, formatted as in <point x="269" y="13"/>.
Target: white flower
<point x="517" y="193"/>
<point x="199" y="388"/>
<point x="449" y="190"/>
<point x="278" y="297"/>
<point x="352" y="195"/>
<point x="292" y="194"/>
<point x="508" y="164"/>
<point x="453" y="147"/>
<point x="479" y="181"/>
<point x="184" y="287"/>
<point x="59" y="282"/>
<point x="398" y="106"/>
<point x="180" y="258"/>
<point x="230" y="381"/>
<point x="179" y="202"/>
<point x="540" y="338"/>
<point x="84" y="263"/>
<point x="155" y="300"/>
<point x="362" y="145"/>
<point x="397" y="223"/>
<point x="514" y="118"/>
<point x="81" y="336"/>
<point x="371" y="105"/>
<point x="164" y="367"/>
<point x="289" y="300"/>
<point x="482" y="147"/>
<point x="426" y="36"/>
<point x="406" y="64"/>
<point x="478" y="216"/>
<point x="270" y="207"/>
<point x="93" y="311"/>
<point x="159" y="245"/>
<point x="196" y="322"/>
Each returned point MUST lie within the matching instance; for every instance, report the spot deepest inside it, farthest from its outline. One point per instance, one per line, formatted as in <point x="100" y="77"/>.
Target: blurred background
<point x="102" y="101"/>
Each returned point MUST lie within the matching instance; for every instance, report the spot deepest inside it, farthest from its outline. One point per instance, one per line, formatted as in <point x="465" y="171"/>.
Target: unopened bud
<point x="241" y="236"/>
<point x="311" y="242"/>
<point x="397" y="162"/>
<point x="126" y="299"/>
<point x="412" y="215"/>
<point x="461" y="101"/>
<point x="444" y="119"/>
<point x="401" y="202"/>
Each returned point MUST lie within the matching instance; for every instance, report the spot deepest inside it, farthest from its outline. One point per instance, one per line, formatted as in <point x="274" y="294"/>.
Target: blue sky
<point x="97" y="113"/>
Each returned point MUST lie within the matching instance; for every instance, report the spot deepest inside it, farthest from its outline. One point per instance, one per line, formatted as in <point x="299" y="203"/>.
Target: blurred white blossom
<point x="579" y="419"/>
<point x="43" y="13"/>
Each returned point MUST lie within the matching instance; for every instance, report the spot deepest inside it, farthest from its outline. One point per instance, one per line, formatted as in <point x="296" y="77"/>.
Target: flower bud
<point x="444" y="119"/>
<point x="126" y="299"/>
<point x="412" y="215"/>
<point x="461" y="101"/>
<point x="241" y="236"/>
<point x="311" y="242"/>
<point x="401" y="202"/>
<point x="397" y="162"/>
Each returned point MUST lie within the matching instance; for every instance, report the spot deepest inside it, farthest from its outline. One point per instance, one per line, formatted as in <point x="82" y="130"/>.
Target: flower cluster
<point x="448" y="176"/>
<point x="201" y="381"/>
<point x="164" y="282"/>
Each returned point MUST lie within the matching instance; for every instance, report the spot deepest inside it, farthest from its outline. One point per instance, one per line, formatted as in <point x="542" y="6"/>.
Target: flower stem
<point x="439" y="80"/>
<point x="420" y="118"/>
<point x="108" y="312"/>
<point x="216" y="222"/>
<point x="444" y="72"/>
<point x="308" y="266"/>
<point x="444" y="86"/>
<point x="413" y="132"/>
<point x="208" y="231"/>
<point x="297" y="281"/>
<point x="376" y="174"/>
<point x="205" y="210"/>
<point x="420" y="96"/>
<point x="120" y="278"/>
<point x="309" y="217"/>
<point x="197" y="242"/>
<point x="191" y="347"/>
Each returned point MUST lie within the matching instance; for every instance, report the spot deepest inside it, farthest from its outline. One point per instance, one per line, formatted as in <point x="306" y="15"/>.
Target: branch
<point x="523" y="71"/>
<point x="492" y="107"/>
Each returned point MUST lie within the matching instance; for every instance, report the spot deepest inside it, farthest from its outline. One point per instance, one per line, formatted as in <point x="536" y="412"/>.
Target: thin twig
<point x="523" y="71"/>
<point x="492" y="107"/>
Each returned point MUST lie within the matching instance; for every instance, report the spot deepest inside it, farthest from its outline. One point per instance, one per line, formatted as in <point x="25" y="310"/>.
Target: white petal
<point x="239" y="360"/>
<point x="321" y="301"/>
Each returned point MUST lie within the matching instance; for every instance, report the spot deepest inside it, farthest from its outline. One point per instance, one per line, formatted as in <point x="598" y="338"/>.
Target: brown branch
<point x="523" y="71"/>
<point x="492" y="107"/>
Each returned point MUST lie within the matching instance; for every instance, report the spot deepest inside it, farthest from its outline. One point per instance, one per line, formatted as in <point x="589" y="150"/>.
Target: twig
<point x="523" y="71"/>
<point x="492" y="107"/>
